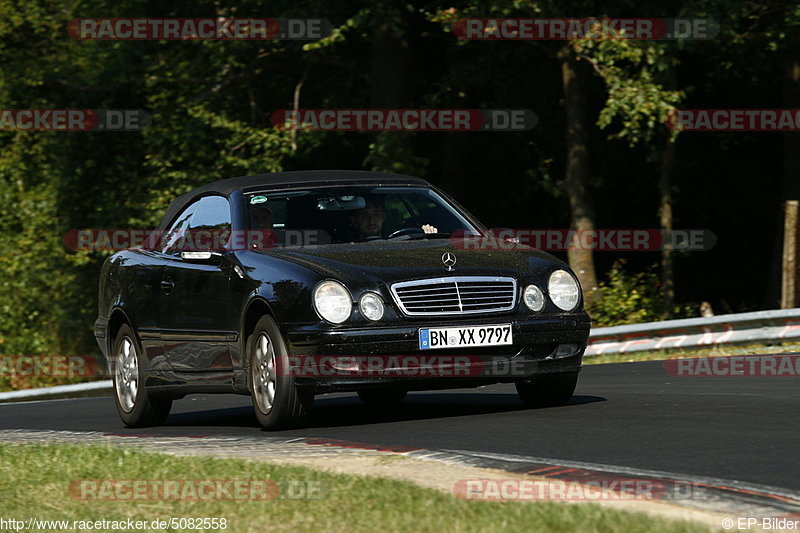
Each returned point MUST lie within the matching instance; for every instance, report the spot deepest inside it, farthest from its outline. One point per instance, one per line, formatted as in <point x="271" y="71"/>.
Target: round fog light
<point x="534" y="298"/>
<point x="371" y="306"/>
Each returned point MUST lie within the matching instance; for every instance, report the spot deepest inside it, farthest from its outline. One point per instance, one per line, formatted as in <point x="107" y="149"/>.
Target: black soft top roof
<point x="288" y="179"/>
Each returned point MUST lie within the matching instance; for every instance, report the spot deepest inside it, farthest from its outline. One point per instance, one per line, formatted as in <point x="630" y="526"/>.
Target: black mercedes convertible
<point x="284" y="286"/>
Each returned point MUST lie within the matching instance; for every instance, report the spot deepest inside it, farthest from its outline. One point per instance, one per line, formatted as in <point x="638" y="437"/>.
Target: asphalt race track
<point x="631" y="414"/>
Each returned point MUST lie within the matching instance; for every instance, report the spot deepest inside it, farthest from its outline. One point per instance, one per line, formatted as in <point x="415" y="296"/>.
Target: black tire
<point x="382" y="397"/>
<point x="289" y="407"/>
<point x="136" y="406"/>
<point x="547" y="391"/>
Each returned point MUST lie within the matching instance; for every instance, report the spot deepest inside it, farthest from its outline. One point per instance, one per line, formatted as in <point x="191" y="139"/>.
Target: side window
<point x="173" y="236"/>
<point x="210" y="226"/>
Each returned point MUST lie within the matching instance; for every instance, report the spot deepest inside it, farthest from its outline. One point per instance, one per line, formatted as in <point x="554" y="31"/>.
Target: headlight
<point x="371" y="306"/>
<point x="564" y="290"/>
<point x="332" y="301"/>
<point x="534" y="298"/>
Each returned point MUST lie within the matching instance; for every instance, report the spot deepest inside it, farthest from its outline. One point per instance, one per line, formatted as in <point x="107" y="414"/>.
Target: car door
<point x="142" y="287"/>
<point x="139" y="278"/>
<point x="195" y="324"/>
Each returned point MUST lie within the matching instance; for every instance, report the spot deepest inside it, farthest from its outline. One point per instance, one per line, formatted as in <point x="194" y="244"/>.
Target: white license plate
<point x="435" y="338"/>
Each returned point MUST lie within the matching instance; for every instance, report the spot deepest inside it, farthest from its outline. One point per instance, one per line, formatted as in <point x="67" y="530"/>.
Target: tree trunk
<point x="455" y="164"/>
<point x="667" y="165"/>
<point x="665" y="215"/>
<point x="791" y="141"/>
<point x="577" y="171"/>
<point x="390" y="64"/>
<point x="390" y="61"/>
<point x="791" y="180"/>
<point x="790" y="288"/>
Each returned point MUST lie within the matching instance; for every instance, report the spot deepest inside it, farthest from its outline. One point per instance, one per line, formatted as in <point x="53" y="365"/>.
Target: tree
<point x="578" y="170"/>
<point x="641" y="93"/>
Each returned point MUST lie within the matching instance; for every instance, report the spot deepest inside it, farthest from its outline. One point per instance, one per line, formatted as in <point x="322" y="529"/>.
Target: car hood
<point x="389" y="261"/>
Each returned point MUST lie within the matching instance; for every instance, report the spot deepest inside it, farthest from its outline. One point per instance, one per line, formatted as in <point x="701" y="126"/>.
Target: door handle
<point x="167" y="286"/>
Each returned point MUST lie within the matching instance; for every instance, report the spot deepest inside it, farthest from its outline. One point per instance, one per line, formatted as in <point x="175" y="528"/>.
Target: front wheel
<point x="276" y="399"/>
<point x="547" y="391"/>
<point x="136" y="407"/>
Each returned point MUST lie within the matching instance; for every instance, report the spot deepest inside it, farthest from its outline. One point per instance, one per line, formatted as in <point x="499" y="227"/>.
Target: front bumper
<point x="347" y="359"/>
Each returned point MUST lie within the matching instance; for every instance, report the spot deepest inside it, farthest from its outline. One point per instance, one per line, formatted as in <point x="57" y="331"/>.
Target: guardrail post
<point x="789" y="285"/>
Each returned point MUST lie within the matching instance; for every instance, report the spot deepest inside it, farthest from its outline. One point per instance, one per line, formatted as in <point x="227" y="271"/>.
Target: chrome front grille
<point x="457" y="295"/>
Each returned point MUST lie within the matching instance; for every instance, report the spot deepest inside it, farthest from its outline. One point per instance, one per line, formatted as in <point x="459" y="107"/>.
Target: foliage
<point x="631" y="299"/>
<point x="631" y="71"/>
<point x="210" y="104"/>
<point x="53" y="182"/>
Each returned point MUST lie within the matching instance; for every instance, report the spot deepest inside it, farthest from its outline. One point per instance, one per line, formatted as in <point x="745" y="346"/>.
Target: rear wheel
<point x="382" y="397"/>
<point x="136" y="407"/>
<point x="547" y="390"/>
<point x="276" y="399"/>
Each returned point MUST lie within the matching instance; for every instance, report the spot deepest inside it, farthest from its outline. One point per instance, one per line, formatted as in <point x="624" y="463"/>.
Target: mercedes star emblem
<point x="449" y="259"/>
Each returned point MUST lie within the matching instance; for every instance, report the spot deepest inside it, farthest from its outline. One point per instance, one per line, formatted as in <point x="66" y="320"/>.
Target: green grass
<point x="712" y="351"/>
<point x="34" y="480"/>
<point x="10" y="383"/>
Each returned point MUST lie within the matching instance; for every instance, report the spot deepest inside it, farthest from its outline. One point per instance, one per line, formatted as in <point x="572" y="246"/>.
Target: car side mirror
<point x="200" y="256"/>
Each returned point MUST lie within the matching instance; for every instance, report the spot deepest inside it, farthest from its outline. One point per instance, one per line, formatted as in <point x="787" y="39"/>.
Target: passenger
<point x="261" y="224"/>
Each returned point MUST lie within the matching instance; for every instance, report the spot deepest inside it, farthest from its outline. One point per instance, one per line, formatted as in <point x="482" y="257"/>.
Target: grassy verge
<point x="11" y="383"/>
<point x="34" y="481"/>
<point x="713" y="351"/>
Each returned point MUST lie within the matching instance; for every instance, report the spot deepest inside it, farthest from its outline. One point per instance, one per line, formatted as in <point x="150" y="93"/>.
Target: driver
<point x="368" y="221"/>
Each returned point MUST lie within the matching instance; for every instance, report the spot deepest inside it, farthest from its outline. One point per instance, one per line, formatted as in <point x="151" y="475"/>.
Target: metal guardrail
<point x="759" y="326"/>
<point x="56" y="390"/>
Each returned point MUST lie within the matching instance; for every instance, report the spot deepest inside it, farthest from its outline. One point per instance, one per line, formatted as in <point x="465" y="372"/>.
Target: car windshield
<point x="337" y="215"/>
